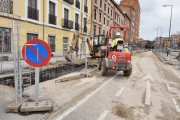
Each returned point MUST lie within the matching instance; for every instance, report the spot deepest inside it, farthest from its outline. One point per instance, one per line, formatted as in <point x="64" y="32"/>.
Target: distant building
<point x="135" y="4"/>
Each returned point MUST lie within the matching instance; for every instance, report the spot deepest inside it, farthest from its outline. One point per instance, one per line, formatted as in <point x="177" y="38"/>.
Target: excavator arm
<point x="77" y="35"/>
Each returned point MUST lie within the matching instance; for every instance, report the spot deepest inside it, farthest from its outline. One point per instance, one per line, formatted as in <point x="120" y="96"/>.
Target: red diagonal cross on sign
<point x="36" y="53"/>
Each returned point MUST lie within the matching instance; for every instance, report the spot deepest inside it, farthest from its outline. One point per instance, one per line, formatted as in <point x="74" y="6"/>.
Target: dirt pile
<point x="122" y="111"/>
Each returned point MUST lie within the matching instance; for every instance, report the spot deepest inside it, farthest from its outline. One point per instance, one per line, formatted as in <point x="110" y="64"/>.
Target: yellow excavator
<point x="98" y="41"/>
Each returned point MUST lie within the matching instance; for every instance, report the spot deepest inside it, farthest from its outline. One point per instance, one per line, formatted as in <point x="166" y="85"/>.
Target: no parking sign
<point x="36" y="53"/>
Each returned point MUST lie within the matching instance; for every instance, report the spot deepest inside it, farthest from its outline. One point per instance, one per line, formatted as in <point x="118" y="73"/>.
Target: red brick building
<point x="135" y="4"/>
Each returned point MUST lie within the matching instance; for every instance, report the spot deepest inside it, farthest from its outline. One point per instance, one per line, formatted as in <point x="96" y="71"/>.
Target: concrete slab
<point x="15" y="109"/>
<point x="33" y="106"/>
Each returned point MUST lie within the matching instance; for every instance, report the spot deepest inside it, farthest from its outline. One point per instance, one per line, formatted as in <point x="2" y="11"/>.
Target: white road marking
<point x="119" y="92"/>
<point x="169" y="88"/>
<point x="176" y="106"/>
<point x="148" y="93"/>
<point x="85" y="80"/>
<point x="148" y="77"/>
<point x="103" y="115"/>
<point x="86" y="98"/>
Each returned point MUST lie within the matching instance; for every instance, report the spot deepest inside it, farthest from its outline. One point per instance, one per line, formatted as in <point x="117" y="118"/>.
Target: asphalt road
<point x="150" y="93"/>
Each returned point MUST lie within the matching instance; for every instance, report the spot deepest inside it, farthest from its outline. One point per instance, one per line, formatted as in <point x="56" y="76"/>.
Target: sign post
<point x="36" y="53"/>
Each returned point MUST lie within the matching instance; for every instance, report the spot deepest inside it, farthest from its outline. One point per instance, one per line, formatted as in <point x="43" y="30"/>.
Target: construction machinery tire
<point x="99" y="63"/>
<point x="104" y="69"/>
<point x="127" y="73"/>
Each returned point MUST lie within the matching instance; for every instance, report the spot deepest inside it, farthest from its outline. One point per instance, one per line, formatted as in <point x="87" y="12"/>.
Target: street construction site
<point x="106" y="83"/>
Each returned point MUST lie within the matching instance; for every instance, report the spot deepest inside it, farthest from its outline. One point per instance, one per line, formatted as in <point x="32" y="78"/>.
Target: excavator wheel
<point x="127" y="73"/>
<point x="104" y="69"/>
<point x="99" y="63"/>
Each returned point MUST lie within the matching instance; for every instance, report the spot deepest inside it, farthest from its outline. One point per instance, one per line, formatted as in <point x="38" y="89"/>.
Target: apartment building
<point x="129" y="10"/>
<point x="127" y="22"/>
<point x="101" y="16"/>
<point x="61" y="18"/>
<point x="133" y="4"/>
<point x="104" y="15"/>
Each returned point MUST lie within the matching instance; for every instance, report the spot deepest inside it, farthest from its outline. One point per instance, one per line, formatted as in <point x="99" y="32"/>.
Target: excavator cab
<point x="98" y="42"/>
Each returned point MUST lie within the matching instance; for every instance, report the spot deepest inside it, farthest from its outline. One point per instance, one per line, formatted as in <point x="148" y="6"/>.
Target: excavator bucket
<point x="68" y="57"/>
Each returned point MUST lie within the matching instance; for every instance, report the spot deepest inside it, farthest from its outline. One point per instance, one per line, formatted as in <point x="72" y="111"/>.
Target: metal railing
<point x="76" y="26"/>
<point x="85" y="9"/>
<point x="33" y="13"/>
<point x="6" y="6"/>
<point x="67" y="23"/>
<point x="52" y="19"/>
<point x="69" y="1"/>
<point x="77" y="4"/>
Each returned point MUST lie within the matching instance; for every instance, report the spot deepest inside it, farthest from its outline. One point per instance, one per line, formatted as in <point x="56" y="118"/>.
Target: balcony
<point x="52" y="19"/>
<point x="85" y="9"/>
<point x="33" y="13"/>
<point x="77" y="4"/>
<point x="6" y="6"/>
<point x="67" y="23"/>
<point x="77" y="26"/>
<point x="85" y="29"/>
<point x="71" y="2"/>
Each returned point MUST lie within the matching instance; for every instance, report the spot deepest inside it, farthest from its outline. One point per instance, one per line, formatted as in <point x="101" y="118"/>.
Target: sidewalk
<point x="169" y="60"/>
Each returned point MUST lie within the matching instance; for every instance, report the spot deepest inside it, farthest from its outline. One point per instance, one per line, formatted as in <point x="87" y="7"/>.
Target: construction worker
<point x="126" y="48"/>
<point x="117" y="38"/>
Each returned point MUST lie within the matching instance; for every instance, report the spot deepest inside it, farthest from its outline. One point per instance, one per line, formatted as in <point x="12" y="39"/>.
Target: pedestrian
<point x="76" y="49"/>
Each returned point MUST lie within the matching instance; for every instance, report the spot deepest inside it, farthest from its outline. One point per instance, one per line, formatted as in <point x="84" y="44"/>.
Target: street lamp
<point x="161" y="35"/>
<point x="170" y="21"/>
<point x="157" y="35"/>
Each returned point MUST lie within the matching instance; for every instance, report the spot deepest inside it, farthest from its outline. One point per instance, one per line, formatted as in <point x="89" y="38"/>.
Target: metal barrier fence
<point x="13" y="68"/>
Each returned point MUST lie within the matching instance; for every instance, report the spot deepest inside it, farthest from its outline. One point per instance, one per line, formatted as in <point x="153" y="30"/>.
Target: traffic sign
<point x="36" y="53"/>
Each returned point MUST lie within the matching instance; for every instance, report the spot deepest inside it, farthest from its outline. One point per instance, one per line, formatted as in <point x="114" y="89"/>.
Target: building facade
<point x="104" y="15"/>
<point x="131" y="13"/>
<point x="135" y="4"/>
<point x="61" y="18"/>
<point x="127" y="22"/>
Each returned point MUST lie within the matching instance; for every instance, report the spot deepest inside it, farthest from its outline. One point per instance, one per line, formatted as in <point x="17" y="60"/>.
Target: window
<point x="94" y="29"/>
<point x="104" y="6"/>
<point x="66" y="14"/>
<point x="104" y="32"/>
<point x="115" y="16"/>
<point x="95" y="11"/>
<point x="100" y="16"/>
<point x="95" y="1"/>
<point x="65" y="44"/>
<point x="104" y="20"/>
<point x="85" y="25"/>
<point x="32" y="3"/>
<point x="108" y="8"/>
<point x="76" y="21"/>
<point x="51" y="42"/>
<point x="31" y="36"/>
<point x="121" y="22"/>
<point x="51" y="8"/>
<point x="99" y="30"/>
<point x="101" y="3"/>
<point x="108" y="22"/>
<point x="111" y="11"/>
<point x="7" y="39"/>
<point x="33" y="13"/>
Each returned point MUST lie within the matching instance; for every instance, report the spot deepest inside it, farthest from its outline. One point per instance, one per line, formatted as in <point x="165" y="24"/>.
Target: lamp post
<point x="157" y="35"/>
<point x="170" y="22"/>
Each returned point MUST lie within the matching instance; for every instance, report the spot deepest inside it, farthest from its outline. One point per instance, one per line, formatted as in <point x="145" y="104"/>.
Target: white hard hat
<point x="126" y="45"/>
<point x="118" y="34"/>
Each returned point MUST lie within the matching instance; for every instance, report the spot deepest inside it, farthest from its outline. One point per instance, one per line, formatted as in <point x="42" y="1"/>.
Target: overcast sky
<point x="153" y="15"/>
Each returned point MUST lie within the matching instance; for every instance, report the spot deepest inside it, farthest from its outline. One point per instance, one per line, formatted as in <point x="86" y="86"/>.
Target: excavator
<point x="98" y="41"/>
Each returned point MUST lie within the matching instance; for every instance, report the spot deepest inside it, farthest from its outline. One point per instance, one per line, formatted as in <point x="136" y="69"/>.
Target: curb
<point x="159" y="57"/>
<point x="164" y="61"/>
